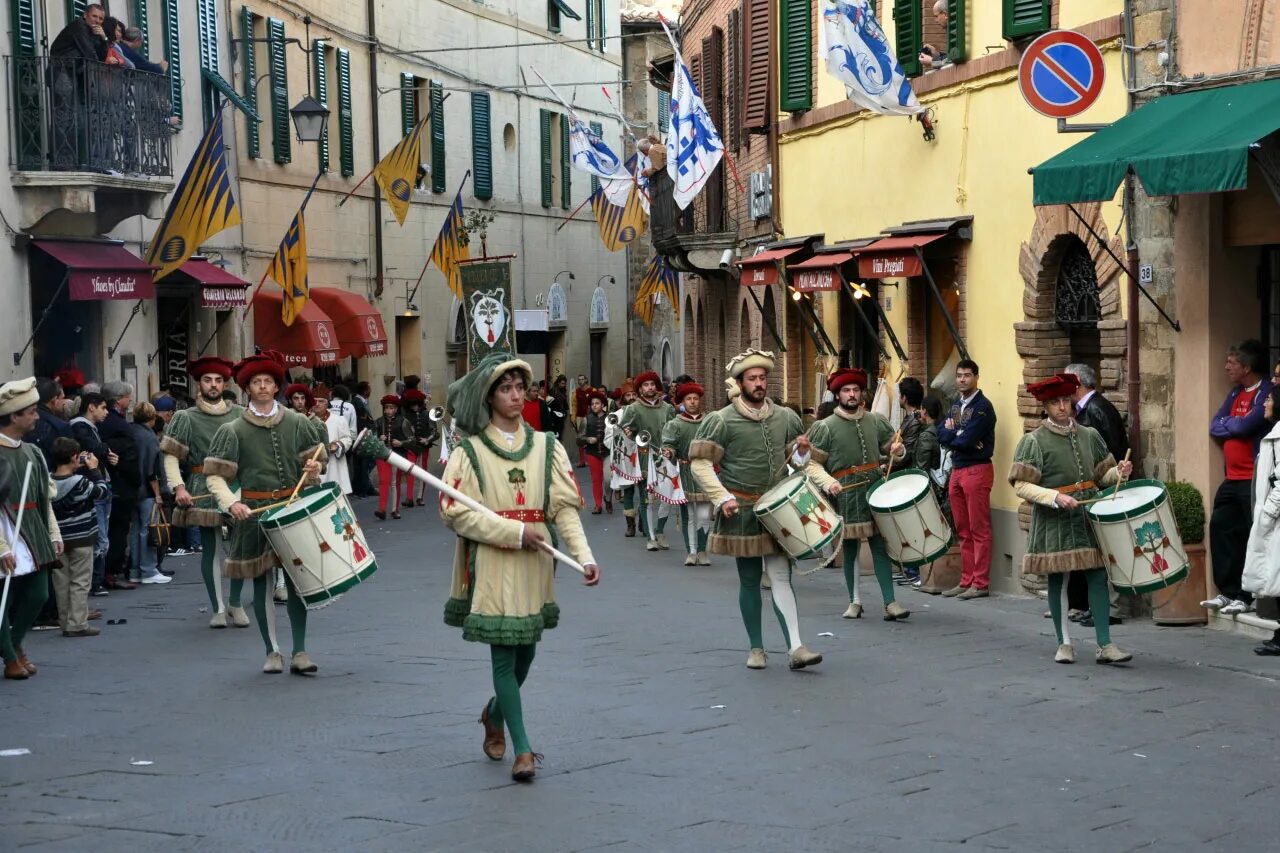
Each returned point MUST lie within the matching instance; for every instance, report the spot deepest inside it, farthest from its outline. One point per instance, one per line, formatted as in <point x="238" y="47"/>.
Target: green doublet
<point x="1061" y="540"/>
<point x="677" y="434"/>
<point x="641" y="416"/>
<point x="752" y="455"/>
<point x="841" y="445"/>
<point x="188" y="437"/>
<point x="265" y="455"/>
<point x="35" y="518"/>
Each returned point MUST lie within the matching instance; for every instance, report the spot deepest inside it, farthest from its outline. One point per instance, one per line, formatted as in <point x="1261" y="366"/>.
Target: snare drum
<point x="798" y="517"/>
<point x="1138" y="537"/>
<point x="320" y="544"/>
<point x="908" y="517"/>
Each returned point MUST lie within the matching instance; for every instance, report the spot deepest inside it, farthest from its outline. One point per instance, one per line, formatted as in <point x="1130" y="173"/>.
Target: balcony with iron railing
<point x="88" y="138"/>
<point x="676" y="235"/>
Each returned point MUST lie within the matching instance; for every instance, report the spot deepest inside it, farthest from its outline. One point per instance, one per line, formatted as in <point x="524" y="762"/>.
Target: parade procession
<point x="417" y="472"/>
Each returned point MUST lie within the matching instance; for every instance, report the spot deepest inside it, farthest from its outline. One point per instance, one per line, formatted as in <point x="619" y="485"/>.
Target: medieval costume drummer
<point x="268" y="449"/>
<point x="650" y="414"/>
<point x="849" y="447"/>
<point x="677" y="435"/>
<point x="185" y="442"/>
<point x="1055" y="467"/>
<point x="502" y="592"/>
<point x="751" y="440"/>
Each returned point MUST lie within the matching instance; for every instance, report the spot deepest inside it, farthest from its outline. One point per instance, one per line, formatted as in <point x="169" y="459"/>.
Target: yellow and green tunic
<point x="501" y="594"/>
<point x="677" y="435"/>
<point x="187" y="439"/>
<point x="850" y="448"/>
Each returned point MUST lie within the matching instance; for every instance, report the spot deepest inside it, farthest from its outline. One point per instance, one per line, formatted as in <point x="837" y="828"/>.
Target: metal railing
<point x="72" y="115"/>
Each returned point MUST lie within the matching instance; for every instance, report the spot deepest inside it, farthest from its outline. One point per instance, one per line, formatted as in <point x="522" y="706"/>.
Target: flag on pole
<point x="289" y="268"/>
<point x="449" y="248"/>
<point x="618" y="190"/>
<point x="619" y="226"/>
<point x="397" y="172"/>
<point x="659" y="281"/>
<point x="202" y="205"/>
<point x="859" y="56"/>
<point x="694" y="146"/>
<point x="587" y="150"/>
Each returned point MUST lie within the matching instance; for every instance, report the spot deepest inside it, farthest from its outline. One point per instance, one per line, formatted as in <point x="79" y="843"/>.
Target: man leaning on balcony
<point x="84" y="37"/>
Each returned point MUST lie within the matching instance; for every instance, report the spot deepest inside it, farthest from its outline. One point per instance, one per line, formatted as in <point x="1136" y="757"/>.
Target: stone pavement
<point x="954" y="728"/>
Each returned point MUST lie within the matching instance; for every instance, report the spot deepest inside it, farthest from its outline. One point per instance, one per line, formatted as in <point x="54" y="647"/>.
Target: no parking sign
<point x="1060" y="74"/>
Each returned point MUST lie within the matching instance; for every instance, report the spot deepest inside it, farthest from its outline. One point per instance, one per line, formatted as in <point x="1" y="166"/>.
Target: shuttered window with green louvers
<point x="249" y="65"/>
<point x="664" y="112"/>
<point x="436" y="90"/>
<point x="346" y="133"/>
<point x="28" y="114"/>
<point x="566" y="187"/>
<point x="173" y="55"/>
<point x="907" y="35"/>
<point x="281" y="144"/>
<point x="1024" y="18"/>
<point x="140" y="20"/>
<point x="795" y="51"/>
<point x="591" y="25"/>
<point x="957" y="25"/>
<point x="320" y="59"/>
<point x="481" y="147"/>
<point x="408" y="103"/>
<point x="207" y="29"/>
<point x="75" y="8"/>
<point x="544" y="138"/>
<point x="598" y="129"/>
<point x="600" y="22"/>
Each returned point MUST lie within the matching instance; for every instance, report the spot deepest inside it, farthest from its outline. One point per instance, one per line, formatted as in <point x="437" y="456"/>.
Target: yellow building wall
<point x="853" y="177"/>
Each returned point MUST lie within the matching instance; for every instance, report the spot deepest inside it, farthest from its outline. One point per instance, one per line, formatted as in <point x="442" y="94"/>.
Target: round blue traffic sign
<point x="1060" y="74"/>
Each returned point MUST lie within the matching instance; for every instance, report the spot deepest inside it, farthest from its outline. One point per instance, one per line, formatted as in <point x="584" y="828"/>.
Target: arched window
<point x="1076" y="301"/>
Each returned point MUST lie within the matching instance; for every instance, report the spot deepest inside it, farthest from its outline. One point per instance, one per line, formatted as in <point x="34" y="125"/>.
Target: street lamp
<point x="612" y="280"/>
<point x="309" y="119"/>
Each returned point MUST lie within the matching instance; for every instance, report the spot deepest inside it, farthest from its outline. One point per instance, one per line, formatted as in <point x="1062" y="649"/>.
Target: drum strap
<point x="855" y="469"/>
<point x="1076" y="487"/>
<point x="273" y="495"/>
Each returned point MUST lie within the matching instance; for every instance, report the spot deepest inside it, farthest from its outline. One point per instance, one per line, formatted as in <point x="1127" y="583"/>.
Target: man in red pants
<point x="391" y="430"/>
<point x="969" y="432"/>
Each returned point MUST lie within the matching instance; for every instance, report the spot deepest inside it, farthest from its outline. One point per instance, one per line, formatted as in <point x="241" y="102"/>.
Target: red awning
<point x="219" y="289"/>
<point x="819" y="272"/>
<point x="761" y="269"/>
<point x="894" y="257"/>
<point x="100" y="270"/>
<point x="358" y="324"/>
<point x="310" y="342"/>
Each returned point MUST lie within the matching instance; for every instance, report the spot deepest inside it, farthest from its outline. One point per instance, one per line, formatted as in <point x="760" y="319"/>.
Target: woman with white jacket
<point x="1262" y="555"/>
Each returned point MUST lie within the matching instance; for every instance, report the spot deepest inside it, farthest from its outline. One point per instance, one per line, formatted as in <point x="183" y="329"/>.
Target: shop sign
<point x="223" y="298"/>
<point x="376" y="348"/>
<point x="895" y="265"/>
<point x="759" y="275"/>
<point x="86" y="285"/>
<point x="316" y="359"/>
<point x="808" y="281"/>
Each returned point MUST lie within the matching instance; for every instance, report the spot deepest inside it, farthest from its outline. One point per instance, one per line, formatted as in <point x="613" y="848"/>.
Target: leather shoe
<point x="1087" y="621"/>
<point x="15" y="670"/>
<point x="524" y="768"/>
<point x="895" y="611"/>
<point x="495" y="743"/>
<point x="22" y="659"/>
<point x="1268" y="649"/>
<point x="302" y="665"/>
<point x="802" y="657"/>
<point x="954" y="591"/>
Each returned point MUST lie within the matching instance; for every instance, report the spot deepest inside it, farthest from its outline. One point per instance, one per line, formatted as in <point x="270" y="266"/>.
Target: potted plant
<point x="1180" y="604"/>
<point x="477" y="222"/>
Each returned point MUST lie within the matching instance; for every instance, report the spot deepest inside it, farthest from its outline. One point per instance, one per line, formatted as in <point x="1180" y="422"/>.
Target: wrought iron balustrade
<point x="73" y="115"/>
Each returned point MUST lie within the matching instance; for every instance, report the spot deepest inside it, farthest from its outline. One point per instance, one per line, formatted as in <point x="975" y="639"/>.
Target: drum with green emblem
<point x="320" y="544"/>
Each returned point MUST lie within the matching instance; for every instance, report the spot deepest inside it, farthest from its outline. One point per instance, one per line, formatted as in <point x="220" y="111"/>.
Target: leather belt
<point x="197" y="469"/>
<point x="855" y="469"/>
<point x="746" y="496"/>
<point x="1076" y="487"/>
<point x="273" y="495"/>
<point x="25" y="506"/>
<point x="526" y="515"/>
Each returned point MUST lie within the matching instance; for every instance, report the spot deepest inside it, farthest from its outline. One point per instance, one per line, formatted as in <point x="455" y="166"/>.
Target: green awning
<point x="1193" y="143"/>
<point x="567" y="10"/>
<point x="215" y="80"/>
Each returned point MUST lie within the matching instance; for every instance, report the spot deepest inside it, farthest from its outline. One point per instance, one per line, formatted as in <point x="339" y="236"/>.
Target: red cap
<point x="299" y="388"/>
<point x="322" y="392"/>
<point x="847" y="376"/>
<point x="268" y="361"/>
<point x="625" y="388"/>
<point x="686" y="388"/>
<point x="70" y="377"/>
<point x="390" y="400"/>
<point x="597" y="394"/>
<point x="648" y="376"/>
<point x="413" y="395"/>
<point x="1058" y="385"/>
<point x="198" y="367"/>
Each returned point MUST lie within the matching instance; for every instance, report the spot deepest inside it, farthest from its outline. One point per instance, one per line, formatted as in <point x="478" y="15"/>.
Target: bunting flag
<point x="289" y="268"/>
<point x="398" y="171"/>
<point x="659" y="280"/>
<point x="619" y="226"/>
<point x="202" y="205"/>
<point x="859" y="56"/>
<point x="694" y="146"/>
<point x="450" y="247"/>
<point x="588" y="151"/>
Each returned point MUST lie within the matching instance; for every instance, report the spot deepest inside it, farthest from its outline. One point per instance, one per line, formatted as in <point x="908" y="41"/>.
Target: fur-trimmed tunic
<point x="187" y="439"/>
<point x="266" y="455"/>
<point x="502" y="594"/>
<point x="840" y="443"/>
<point x="39" y="526"/>
<point x="752" y="447"/>
<point x="1048" y="461"/>
<point x="677" y="435"/>
<point x="652" y="419"/>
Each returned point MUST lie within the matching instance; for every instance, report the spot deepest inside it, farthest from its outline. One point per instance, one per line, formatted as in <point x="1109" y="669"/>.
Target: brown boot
<point x="495" y="743"/>
<point x="523" y="769"/>
<point x="15" y="670"/>
<point x="631" y="526"/>
<point x="22" y="659"/>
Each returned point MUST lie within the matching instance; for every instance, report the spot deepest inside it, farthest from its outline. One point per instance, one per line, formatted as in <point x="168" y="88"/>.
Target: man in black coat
<point x="126" y="481"/>
<point x="51" y="424"/>
<point x="84" y="37"/>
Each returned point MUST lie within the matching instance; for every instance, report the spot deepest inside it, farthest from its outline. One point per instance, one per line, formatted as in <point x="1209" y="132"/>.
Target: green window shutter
<point x="249" y="64"/>
<point x="957" y="35"/>
<point x="544" y="129"/>
<point x="28" y="112"/>
<point x="75" y="8"/>
<point x="566" y="189"/>
<point x="908" y="30"/>
<point x="207" y="25"/>
<point x="591" y="25"/>
<point x="346" y="136"/>
<point x="795" y="48"/>
<point x="1026" y="18"/>
<point x="281" y="144"/>
<point x="23" y="21"/>
<point x="553" y="17"/>
<point x="481" y="147"/>
<point x="173" y="55"/>
<point x="600" y="20"/>
<point x="598" y="129"/>
<point x="664" y="111"/>
<point x="139" y="17"/>
<point x="408" y="104"/>
<point x="322" y="95"/>
<point x="436" y="91"/>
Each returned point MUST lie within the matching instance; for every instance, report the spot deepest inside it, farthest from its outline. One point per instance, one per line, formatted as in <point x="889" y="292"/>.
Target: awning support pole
<point x="946" y="315"/>
<point x="44" y="315"/>
<point x="817" y="325"/>
<point x="186" y="309"/>
<point x="1124" y="265"/>
<point x="764" y="320"/>
<point x="897" y="347"/>
<point x="111" y="350"/>
<point x="216" y="329"/>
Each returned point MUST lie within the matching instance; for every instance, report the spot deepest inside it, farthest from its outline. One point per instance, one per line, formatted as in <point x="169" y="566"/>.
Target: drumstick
<point x="1115" y="494"/>
<point x="897" y="437"/>
<point x="303" y="478"/>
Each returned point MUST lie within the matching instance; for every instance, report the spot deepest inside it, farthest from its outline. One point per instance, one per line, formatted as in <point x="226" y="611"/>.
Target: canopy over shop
<point x="334" y="324"/>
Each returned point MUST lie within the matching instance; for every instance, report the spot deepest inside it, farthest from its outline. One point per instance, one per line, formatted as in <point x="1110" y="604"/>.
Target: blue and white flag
<point x="618" y="190"/>
<point x="694" y="147"/>
<point x="587" y="150"/>
<point x="860" y="57"/>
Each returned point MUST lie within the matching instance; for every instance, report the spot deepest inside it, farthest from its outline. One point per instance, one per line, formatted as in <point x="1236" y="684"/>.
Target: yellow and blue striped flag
<point x="397" y="172"/>
<point x="289" y="268"/>
<point x="619" y="226"/>
<point x="202" y="206"/>
<point x="658" y="280"/>
<point x="450" y="247"/>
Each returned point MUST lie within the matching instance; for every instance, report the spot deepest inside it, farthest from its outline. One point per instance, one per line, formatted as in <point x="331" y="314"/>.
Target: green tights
<point x="208" y="553"/>
<point x="879" y="560"/>
<point x="27" y="595"/>
<point x="510" y="669"/>
<point x="262" y="589"/>
<point x="750" y="602"/>
<point x="1099" y="603"/>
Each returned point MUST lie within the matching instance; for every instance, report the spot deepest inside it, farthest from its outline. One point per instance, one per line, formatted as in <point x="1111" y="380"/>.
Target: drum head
<point x="1132" y="499"/>
<point x="779" y="493"/>
<point x="901" y="490"/>
<point x="308" y="502"/>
